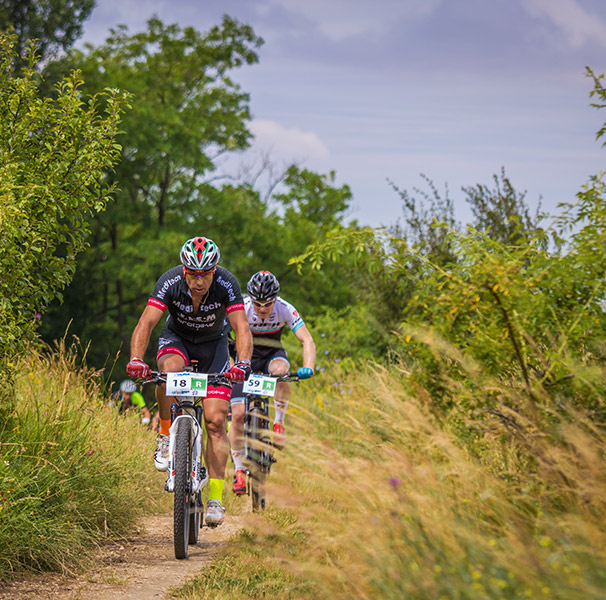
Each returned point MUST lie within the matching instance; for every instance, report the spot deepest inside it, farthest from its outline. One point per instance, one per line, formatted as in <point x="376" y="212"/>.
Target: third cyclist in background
<point x="267" y="315"/>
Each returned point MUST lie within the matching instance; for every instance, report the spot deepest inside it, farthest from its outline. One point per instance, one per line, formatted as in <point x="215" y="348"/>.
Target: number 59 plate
<point x="261" y="385"/>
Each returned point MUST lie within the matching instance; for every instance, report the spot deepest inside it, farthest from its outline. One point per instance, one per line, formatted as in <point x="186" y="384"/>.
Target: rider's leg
<point x="280" y="366"/>
<point x="215" y="418"/>
<point x="236" y="434"/>
<point x="171" y="363"/>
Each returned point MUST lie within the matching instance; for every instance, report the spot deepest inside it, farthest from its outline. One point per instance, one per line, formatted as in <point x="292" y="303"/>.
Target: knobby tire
<point x="181" y="518"/>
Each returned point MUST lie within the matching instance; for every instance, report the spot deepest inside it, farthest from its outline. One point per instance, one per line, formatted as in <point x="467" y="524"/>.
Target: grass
<point x="72" y="471"/>
<point x="380" y="496"/>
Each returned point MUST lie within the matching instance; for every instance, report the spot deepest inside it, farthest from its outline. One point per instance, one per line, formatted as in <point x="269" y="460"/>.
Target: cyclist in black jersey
<point x="199" y="296"/>
<point x="267" y="315"/>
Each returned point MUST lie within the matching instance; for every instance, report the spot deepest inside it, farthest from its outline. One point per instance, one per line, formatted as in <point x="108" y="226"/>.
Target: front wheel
<point x="259" y="426"/>
<point x="183" y="495"/>
<point x="195" y="516"/>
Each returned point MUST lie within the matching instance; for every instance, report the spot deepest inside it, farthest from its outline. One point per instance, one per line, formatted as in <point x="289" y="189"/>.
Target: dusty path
<point x="137" y="569"/>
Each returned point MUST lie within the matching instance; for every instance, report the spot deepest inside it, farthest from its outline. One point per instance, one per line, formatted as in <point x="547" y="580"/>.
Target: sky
<point x="385" y="91"/>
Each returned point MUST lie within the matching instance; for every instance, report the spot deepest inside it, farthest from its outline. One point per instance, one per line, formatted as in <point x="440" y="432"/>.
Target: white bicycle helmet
<point x="200" y="254"/>
<point x="128" y="386"/>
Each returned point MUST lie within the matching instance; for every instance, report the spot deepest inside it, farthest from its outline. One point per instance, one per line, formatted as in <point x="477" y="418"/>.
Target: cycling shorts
<point x="212" y="357"/>
<point x="261" y="359"/>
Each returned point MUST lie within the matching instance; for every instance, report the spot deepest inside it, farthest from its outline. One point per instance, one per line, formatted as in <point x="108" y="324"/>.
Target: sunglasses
<point x="263" y="304"/>
<point x="199" y="273"/>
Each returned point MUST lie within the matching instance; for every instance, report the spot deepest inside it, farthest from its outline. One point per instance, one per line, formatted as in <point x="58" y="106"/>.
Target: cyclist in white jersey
<point x="267" y="315"/>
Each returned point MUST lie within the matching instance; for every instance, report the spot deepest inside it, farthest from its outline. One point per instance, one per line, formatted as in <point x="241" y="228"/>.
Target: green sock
<point x="215" y="491"/>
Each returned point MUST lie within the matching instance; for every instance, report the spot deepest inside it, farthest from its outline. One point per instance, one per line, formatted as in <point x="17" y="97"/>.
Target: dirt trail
<point x="143" y="567"/>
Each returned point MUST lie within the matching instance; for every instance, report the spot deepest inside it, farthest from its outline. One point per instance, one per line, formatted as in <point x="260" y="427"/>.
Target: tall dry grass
<point x="72" y="471"/>
<point x="379" y="496"/>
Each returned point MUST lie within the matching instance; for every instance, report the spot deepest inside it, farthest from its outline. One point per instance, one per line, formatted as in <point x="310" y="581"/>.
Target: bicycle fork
<point x="199" y="474"/>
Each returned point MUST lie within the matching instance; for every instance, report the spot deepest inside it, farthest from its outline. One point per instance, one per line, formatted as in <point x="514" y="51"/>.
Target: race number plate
<point x="186" y="384"/>
<point x="260" y="385"/>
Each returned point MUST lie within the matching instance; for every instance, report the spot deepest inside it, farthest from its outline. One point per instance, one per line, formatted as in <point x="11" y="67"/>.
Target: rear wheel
<point x="183" y="495"/>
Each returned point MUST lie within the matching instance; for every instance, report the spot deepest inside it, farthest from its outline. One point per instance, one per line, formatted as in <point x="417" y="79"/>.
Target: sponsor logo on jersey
<point x="188" y="308"/>
<point x="228" y="285"/>
<point x="167" y="284"/>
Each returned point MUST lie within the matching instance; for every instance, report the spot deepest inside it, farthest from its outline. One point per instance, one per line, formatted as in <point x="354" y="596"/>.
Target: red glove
<point x="137" y="368"/>
<point x="240" y="371"/>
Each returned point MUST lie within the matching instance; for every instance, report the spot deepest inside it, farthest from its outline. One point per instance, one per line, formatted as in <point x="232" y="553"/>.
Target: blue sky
<point x="380" y="90"/>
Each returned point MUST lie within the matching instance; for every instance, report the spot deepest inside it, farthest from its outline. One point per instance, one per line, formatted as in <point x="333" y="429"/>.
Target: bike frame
<point x="257" y="445"/>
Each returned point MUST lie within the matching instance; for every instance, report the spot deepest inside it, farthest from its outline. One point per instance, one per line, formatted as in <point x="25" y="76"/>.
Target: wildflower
<point x="38" y="315"/>
<point x="321" y="335"/>
<point x="325" y="351"/>
<point x="394" y="482"/>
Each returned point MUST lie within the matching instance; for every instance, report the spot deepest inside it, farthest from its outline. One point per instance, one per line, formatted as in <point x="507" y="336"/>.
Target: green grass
<point x="72" y="471"/>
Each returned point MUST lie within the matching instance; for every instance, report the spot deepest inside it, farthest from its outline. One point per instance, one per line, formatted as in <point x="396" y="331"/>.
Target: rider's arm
<point x="145" y="414"/>
<point x="244" y="343"/>
<point x="140" y="338"/>
<point x="309" y="346"/>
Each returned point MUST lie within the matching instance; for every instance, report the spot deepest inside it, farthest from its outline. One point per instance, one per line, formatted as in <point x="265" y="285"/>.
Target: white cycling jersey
<point x="282" y="314"/>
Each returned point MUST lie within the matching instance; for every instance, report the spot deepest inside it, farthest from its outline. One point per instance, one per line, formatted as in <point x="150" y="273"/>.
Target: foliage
<point x="54" y="24"/>
<point x="518" y="310"/>
<point x="599" y="93"/>
<point x="54" y="154"/>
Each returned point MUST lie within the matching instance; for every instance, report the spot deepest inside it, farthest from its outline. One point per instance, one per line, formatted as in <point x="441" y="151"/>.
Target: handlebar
<point x="160" y="376"/>
<point x="294" y="376"/>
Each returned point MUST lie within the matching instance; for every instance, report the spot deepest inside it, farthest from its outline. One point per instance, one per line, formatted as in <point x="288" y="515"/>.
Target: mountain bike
<point x="258" y="449"/>
<point x="187" y="473"/>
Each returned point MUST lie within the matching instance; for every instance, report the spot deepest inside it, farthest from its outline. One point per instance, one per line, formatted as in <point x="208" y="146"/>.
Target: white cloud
<point x="340" y="19"/>
<point x="576" y="23"/>
<point x="287" y="143"/>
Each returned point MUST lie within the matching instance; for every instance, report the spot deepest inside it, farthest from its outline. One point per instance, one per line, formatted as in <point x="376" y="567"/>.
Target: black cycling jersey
<point x="172" y="293"/>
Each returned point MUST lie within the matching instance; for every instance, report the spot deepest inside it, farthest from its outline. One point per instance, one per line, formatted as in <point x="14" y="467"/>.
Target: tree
<point x="54" y="24"/>
<point x="54" y="154"/>
<point x="502" y="213"/>
<point x="187" y="112"/>
<point x="427" y="218"/>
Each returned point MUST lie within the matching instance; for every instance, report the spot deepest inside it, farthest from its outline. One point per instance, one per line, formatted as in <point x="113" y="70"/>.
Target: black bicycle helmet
<point x="200" y="254"/>
<point x="263" y="286"/>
